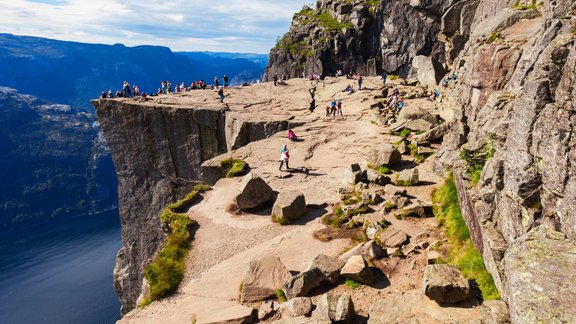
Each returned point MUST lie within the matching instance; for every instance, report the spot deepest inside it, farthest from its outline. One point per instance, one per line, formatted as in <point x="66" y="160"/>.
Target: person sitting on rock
<point x="103" y="95"/>
<point x="349" y="89"/>
<point x="291" y="135"/>
<point x="110" y="94"/>
<point x="143" y="97"/>
<point x="434" y="95"/>
<point x="284" y="157"/>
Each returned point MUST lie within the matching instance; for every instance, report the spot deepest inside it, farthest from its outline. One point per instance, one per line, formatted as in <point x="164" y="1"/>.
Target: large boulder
<point x="414" y="112"/>
<point x="352" y="174"/>
<point x="253" y="192"/>
<point x="329" y="266"/>
<point x="539" y="267"/>
<point x="408" y="177"/>
<point x="301" y="284"/>
<point x="429" y="72"/>
<point x="357" y="269"/>
<point x="434" y="133"/>
<point x="445" y="284"/>
<point x="299" y="306"/>
<point x="384" y="154"/>
<point x="263" y="278"/>
<point x="418" y="125"/>
<point x="289" y="206"/>
<point x="368" y="250"/>
<point x="336" y="308"/>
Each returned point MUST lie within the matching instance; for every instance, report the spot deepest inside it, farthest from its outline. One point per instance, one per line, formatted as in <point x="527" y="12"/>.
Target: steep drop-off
<point x="157" y="151"/>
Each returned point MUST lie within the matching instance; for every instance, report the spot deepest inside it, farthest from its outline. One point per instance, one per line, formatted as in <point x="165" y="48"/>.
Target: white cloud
<point x="225" y="25"/>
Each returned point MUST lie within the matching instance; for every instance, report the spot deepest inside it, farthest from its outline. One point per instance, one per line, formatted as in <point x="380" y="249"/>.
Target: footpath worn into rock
<point x="227" y="240"/>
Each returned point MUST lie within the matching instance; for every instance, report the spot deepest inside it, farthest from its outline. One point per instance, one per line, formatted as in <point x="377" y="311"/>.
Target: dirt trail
<point x="225" y="242"/>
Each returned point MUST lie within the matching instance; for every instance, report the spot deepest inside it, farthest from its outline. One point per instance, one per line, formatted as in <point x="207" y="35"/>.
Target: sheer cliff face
<point x="515" y="98"/>
<point x="157" y="152"/>
<point x="363" y="36"/>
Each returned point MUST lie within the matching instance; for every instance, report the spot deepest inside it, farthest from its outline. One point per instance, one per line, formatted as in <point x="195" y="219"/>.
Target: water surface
<point x="61" y="273"/>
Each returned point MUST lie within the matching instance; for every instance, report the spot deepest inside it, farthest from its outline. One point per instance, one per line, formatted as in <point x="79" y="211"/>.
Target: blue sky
<point x="183" y="25"/>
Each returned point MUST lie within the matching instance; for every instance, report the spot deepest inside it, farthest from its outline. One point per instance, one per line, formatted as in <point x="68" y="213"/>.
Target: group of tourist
<point x="333" y="107"/>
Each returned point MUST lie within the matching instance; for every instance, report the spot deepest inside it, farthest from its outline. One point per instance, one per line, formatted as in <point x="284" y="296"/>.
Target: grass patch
<point x="494" y="37"/>
<point x="418" y="157"/>
<point x="339" y="217"/>
<point x="390" y="206"/>
<point x="531" y="6"/>
<point x="475" y="161"/>
<point x="352" y="284"/>
<point x="462" y="253"/>
<point x="233" y="167"/>
<point x="281" y="296"/>
<point x="381" y="169"/>
<point x="404" y="133"/>
<point x="393" y="77"/>
<point x="167" y="271"/>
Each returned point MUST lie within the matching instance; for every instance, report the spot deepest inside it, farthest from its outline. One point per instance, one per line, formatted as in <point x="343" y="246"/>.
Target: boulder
<point x="403" y="148"/>
<point x="432" y="257"/>
<point x="369" y="250"/>
<point x="353" y="174"/>
<point x="494" y="312"/>
<point x="539" y="267"/>
<point x="429" y="72"/>
<point x="299" y="306"/>
<point x="357" y="269"/>
<point x="391" y="238"/>
<point x="445" y="284"/>
<point x="409" y="177"/>
<point x="289" y="206"/>
<point x="329" y="266"/>
<point x="418" y="125"/>
<point x="263" y="278"/>
<point x="392" y="190"/>
<point x="415" y="210"/>
<point x="303" y="320"/>
<point x="414" y="112"/>
<point x="253" y="192"/>
<point x="433" y="134"/>
<point x="336" y="308"/>
<point x="267" y="310"/>
<point x="377" y="177"/>
<point x="372" y="229"/>
<point x="384" y="154"/>
<point x="301" y="284"/>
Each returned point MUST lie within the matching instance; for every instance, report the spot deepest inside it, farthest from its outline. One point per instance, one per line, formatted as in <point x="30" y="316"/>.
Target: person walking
<point x="384" y="77"/>
<point x="284" y="157"/>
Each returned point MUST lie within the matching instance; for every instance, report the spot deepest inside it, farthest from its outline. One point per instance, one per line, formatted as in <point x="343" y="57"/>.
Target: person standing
<point x="284" y="157"/>
<point x="275" y="78"/>
<point x="225" y="79"/>
<point x="384" y="77"/>
<point x="221" y="94"/>
<point x="360" y="82"/>
<point x="339" y="105"/>
<point x="216" y="81"/>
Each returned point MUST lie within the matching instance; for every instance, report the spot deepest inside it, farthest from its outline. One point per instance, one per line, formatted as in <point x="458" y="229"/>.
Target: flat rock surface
<point x="225" y="241"/>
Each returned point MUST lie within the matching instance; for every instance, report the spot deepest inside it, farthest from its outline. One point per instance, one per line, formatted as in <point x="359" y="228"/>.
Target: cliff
<point x="512" y="150"/>
<point x="361" y="36"/>
<point x="157" y="149"/>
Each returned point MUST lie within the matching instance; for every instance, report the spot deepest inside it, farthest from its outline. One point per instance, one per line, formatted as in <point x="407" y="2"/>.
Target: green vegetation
<point x="406" y="214"/>
<point x="403" y="183"/>
<point x="381" y="169"/>
<point x="393" y="77"/>
<point x="476" y="160"/>
<point x="462" y="253"/>
<point x="390" y="205"/>
<point x="233" y="167"/>
<point x="418" y="157"/>
<point x="324" y="19"/>
<point x="404" y="133"/>
<point x="281" y="296"/>
<point x="352" y="284"/>
<point x="493" y="37"/>
<point x="167" y="271"/>
<point x="339" y="216"/>
<point x="531" y="6"/>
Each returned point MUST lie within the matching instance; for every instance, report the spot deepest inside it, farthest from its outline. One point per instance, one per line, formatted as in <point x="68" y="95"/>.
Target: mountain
<point x="73" y="73"/>
<point x="55" y="162"/>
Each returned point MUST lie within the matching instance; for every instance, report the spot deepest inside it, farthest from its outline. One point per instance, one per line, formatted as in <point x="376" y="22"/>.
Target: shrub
<point x="476" y="160"/>
<point x="167" y="271"/>
<point x="233" y="167"/>
<point x="462" y="253"/>
<point x="281" y="296"/>
<point x="393" y="77"/>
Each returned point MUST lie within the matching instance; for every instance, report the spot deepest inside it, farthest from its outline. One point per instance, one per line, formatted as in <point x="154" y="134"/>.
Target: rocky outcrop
<point x="445" y="284"/>
<point x="157" y="151"/>
<point x="514" y="103"/>
<point x="263" y="278"/>
<point x="367" y="37"/>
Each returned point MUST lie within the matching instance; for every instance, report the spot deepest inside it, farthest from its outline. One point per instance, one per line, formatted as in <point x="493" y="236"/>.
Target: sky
<point x="246" y="26"/>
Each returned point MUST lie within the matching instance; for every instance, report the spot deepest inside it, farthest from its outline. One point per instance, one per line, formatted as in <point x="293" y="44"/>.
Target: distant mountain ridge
<point x="73" y="73"/>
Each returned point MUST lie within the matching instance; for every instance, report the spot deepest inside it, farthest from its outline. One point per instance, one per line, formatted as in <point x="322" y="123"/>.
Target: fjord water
<point x="61" y="273"/>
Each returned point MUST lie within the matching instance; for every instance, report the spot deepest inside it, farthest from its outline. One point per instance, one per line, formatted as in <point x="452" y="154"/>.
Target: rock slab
<point x="263" y="278"/>
<point x="445" y="284"/>
<point x="357" y="269"/>
<point x="329" y="266"/>
<point x="253" y="192"/>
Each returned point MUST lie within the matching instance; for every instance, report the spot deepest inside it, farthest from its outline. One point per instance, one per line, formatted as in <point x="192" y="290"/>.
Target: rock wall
<point x="360" y="36"/>
<point x="515" y="101"/>
<point x="157" y="152"/>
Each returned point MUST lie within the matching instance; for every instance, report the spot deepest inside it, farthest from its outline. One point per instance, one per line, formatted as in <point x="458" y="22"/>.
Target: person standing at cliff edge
<point x="225" y="79"/>
<point x="216" y="82"/>
<point x="284" y="157"/>
<point x="221" y="94"/>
